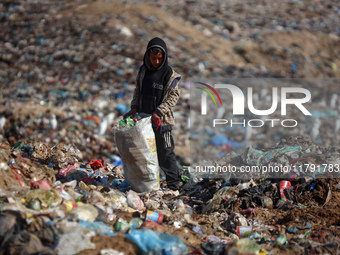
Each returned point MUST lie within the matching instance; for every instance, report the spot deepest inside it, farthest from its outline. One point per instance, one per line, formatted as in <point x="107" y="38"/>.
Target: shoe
<point x="175" y="189"/>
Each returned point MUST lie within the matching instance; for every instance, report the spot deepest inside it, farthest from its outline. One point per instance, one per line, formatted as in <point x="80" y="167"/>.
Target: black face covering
<point x="155" y="80"/>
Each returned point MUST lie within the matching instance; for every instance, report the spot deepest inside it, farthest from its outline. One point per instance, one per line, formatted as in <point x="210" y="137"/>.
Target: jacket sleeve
<point x="136" y="93"/>
<point x="170" y="100"/>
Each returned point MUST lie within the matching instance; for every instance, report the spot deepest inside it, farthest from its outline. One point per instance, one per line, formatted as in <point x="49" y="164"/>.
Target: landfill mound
<point x="67" y="73"/>
<point x="76" y="62"/>
<point x="49" y="198"/>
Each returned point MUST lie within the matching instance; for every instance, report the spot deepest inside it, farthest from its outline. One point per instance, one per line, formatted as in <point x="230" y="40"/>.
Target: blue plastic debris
<point x="150" y="241"/>
<point x="292" y="230"/>
<point x="124" y="186"/>
<point x="98" y="227"/>
<point x="118" y="162"/>
<point x="120" y="94"/>
<point x="121" y="108"/>
<point x="324" y="114"/>
<point x="209" y="132"/>
<point x="294" y="68"/>
<point x="295" y="229"/>
<point x="219" y="140"/>
<point x="312" y="186"/>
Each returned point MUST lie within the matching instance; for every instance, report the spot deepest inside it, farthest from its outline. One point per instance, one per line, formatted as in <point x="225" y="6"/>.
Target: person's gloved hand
<point x="156" y="119"/>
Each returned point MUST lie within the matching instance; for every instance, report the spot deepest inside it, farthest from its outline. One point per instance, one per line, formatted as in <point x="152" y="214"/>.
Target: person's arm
<point x="170" y="100"/>
<point x="131" y="113"/>
<point x="135" y="98"/>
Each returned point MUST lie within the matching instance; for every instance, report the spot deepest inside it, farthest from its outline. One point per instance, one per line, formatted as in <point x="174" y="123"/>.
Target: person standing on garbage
<point x="157" y="93"/>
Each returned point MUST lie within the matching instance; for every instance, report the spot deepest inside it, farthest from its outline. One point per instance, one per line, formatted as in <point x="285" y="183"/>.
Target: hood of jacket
<point x="156" y="43"/>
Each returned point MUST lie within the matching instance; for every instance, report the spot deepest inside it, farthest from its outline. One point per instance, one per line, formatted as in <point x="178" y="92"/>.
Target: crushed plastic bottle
<point x="191" y="183"/>
<point x="122" y="123"/>
<point x="130" y="122"/>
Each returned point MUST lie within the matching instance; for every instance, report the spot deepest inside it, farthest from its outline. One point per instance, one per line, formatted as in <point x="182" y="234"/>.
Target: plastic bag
<point x="134" y="200"/>
<point x="47" y="198"/>
<point x="116" y="199"/>
<point x="100" y="228"/>
<point x="75" y="242"/>
<point x="95" y="197"/>
<point x="137" y="147"/>
<point x="151" y="241"/>
<point x="85" y="212"/>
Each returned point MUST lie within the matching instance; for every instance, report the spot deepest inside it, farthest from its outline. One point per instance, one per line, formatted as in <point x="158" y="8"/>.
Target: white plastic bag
<point x="134" y="200"/>
<point x="137" y="148"/>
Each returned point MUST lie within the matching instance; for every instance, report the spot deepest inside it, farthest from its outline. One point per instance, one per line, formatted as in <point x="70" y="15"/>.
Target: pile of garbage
<point x="54" y="203"/>
<point x="68" y="70"/>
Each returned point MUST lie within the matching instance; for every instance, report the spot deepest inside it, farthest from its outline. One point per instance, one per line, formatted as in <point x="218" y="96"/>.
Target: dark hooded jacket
<point x="157" y="90"/>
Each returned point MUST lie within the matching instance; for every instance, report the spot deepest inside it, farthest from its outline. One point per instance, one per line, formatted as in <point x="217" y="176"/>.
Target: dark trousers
<point x="167" y="158"/>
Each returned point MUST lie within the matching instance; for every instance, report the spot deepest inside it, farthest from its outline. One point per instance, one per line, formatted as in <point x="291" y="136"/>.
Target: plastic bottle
<point x="122" y="123"/>
<point x="281" y="239"/>
<point x="154" y="216"/>
<point x="130" y="122"/>
<point x="35" y="205"/>
<point x="190" y="210"/>
<point x="68" y="205"/>
<point x="136" y="222"/>
<point x="284" y="185"/>
<point x="191" y="183"/>
<point x="121" y="225"/>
